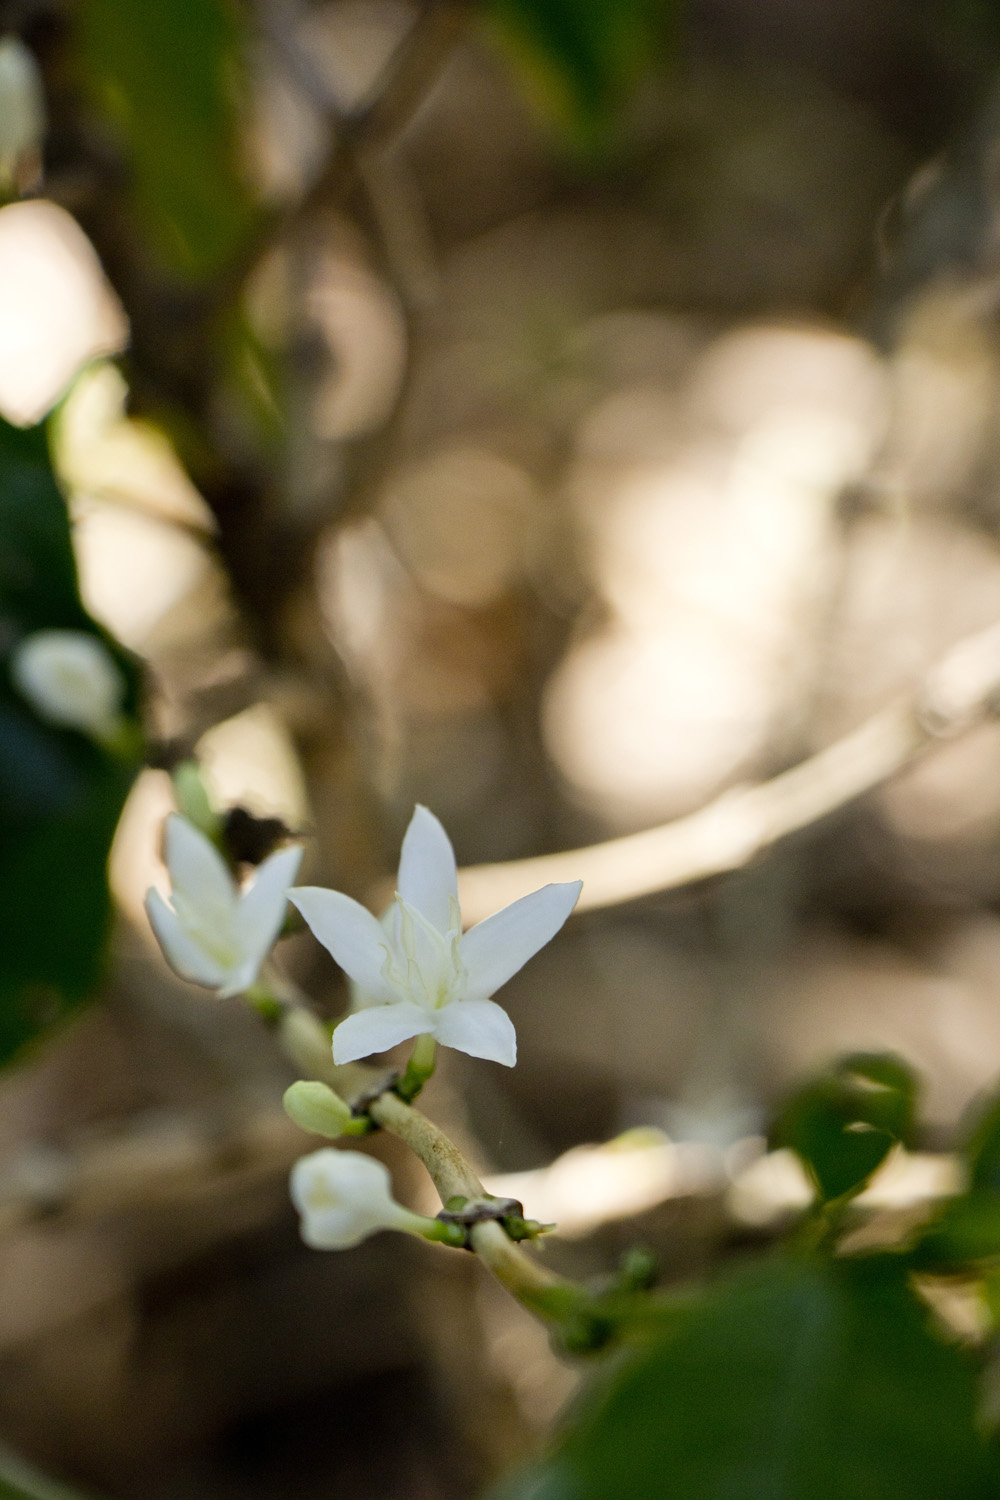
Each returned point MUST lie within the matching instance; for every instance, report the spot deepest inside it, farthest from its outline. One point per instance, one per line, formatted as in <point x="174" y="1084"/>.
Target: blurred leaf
<point x="60" y="794"/>
<point x="19" y="1481"/>
<point x="844" y="1123"/>
<point x="167" y="73"/>
<point x="581" y="56"/>
<point x="791" y="1381"/>
<point x="981" y="1147"/>
<point x="963" y="1231"/>
<point x="966" y="1229"/>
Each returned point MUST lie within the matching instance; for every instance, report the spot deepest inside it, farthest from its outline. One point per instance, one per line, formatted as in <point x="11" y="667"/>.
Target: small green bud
<point x="192" y="798"/>
<point x="316" y="1108"/>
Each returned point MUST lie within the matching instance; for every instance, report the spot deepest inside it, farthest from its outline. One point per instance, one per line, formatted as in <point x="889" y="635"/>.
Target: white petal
<point x="362" y="998"/>
<point x="331" y="1176"/>
<point x="198" y="873"/>
<point x="379" y="1028"/>
<point x="495" y="949"/>
<point x="348" y="931"/>
<point x="425" y="956"/>
<point x="182" y="952"/>
<point x="262" y="908"/>
<point x="338" y="1229"/>
<point x="427" y="877"/>
<point x="343" y="1197"/>
<point x="239" y="979"/>
<point x="479" y="1028"/>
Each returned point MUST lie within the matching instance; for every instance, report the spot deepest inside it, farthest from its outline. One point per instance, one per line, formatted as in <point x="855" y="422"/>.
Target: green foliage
<point x="844" y="1123"/>
<point x="166" y="73"/>
<point x="981" y="1148"/>
<point x="581" y="56"/>
<point x="60" y="794"/>
<point x="966" y="1229"/>
<point x="793" y="1380"/>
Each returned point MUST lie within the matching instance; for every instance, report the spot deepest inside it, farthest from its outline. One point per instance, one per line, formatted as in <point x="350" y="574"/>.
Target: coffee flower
<point x="71" y="679"/>
<point x="213" y="933"/>
<point x="415" y="973"/>
<point x="344" y="1197"/>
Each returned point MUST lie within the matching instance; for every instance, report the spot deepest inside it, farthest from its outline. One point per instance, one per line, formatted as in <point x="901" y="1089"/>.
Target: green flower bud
<point x="316" y="1108"/>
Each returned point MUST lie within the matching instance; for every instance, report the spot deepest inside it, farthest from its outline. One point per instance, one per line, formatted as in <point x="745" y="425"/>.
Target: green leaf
<point x="60" y="794"/>
<point x="581" y="56"/>
<point x="844" y="1123"/>
<point x="166" y="74"/>
<point x="981" y="1147"/>
<point x="790" y="1381"/>
<point x="964" y="1231"/>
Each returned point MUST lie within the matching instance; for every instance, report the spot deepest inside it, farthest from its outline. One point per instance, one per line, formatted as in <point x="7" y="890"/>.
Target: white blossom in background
<point x="343" y="1197"/>
<point x="70" y="678"/>
<point x="22" y="105"/>
<point x="415" y="972"/>
<point x="214" y="933"/>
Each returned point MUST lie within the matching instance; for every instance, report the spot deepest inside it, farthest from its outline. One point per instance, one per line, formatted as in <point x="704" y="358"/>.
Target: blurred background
<point x="563" y="413"/>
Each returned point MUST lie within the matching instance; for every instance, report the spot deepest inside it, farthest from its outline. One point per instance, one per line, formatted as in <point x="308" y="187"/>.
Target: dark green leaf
<point x="166" y="73"/>
<point x="981" y="1148"/>
<point x="60" y="794"/>
<point x="792" y="1381"/>
<point x="966" y="1229"/>
<point x="844" y="1123"/>
<point x="581" y="55"/>
<point x="963" y="1231"/>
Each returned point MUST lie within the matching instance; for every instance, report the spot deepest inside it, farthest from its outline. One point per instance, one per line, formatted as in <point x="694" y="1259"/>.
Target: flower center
<point x="424" y="963"/>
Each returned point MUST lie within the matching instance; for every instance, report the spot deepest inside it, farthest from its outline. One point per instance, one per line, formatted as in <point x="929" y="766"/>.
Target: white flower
<point x="344" y="1197"/>
<point x="70" y="678"/>
<point x="215" y="934"/>
<point x="415" y="972"/>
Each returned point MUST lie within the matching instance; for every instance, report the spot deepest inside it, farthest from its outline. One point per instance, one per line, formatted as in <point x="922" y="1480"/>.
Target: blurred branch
<point x="362" y="132"/>
<point x="960" y="691"/>
<point x="399" y="89"/>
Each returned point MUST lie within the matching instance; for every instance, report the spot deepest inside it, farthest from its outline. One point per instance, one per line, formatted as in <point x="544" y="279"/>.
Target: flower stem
<point x="419" y="1068"/>
<point x="450" y="1172"/>
<point x="550" y="1297"/>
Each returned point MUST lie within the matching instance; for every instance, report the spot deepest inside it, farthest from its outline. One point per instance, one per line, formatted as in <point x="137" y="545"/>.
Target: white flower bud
<point x="316" y="1108"/>
<point x="70" y="678"/>
<point x="22" y="105"/>
<point x="344" y="1197"/>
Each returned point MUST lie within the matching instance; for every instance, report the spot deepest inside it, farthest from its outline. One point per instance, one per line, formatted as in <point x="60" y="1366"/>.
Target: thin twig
<point x="552" y="1297"/>
<point x="372" y="124"/>
<point x="451" y="1174"/>
<point x="955" y="695"/>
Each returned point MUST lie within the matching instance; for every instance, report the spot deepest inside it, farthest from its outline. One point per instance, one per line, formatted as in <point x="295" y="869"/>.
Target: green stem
<point x="450" y="1172"/>
<point x="304" y="1039"/>
<point x="419" y="1068"/>
<point x="550" y="1297"/>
